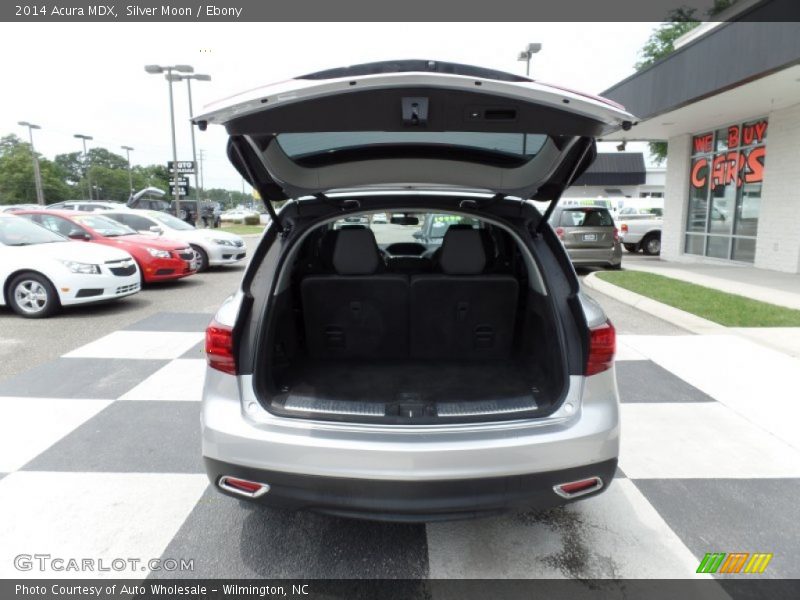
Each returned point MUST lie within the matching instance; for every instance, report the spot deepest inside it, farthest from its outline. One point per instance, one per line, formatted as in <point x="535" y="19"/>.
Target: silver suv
<point x="362" y="370"/>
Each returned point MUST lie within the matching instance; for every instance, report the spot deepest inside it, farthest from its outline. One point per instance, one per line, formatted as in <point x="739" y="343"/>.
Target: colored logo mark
<point x="734" y="562"/>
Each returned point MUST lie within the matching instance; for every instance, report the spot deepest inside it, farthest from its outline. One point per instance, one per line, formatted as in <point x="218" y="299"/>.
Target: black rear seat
<point x="462" y="313"/>
<point x="359" y="312"/>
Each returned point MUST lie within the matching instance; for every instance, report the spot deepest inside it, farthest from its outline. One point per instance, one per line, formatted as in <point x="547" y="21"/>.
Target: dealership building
<point x="728" y="103"/>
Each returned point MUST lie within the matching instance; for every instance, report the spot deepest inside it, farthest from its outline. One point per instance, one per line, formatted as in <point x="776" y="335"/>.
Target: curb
<point x="673" y="315"/>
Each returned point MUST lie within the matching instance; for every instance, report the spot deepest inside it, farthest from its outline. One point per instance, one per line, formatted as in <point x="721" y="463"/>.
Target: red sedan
<point x="159" y="259"/>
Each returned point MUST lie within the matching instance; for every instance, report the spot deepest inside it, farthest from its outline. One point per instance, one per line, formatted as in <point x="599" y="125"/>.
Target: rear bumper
<point x="596" y="256"/>
<point x="237" y="430"/>
<point x="411" y="500"/>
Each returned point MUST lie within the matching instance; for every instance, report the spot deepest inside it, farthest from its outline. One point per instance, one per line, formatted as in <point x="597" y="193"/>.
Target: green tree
<point x="17" y="183"/>
<point x="103" y="167"/>
<point x="72" y="166"/>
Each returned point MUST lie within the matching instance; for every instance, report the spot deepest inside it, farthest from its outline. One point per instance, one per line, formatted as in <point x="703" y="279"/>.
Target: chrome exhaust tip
<point x="575" y="489"/>
<point x="242" y="487"/>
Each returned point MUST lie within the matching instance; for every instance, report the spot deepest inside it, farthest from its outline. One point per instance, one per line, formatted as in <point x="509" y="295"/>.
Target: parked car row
<point x="53" y="258"/>
<point x="189" y="210"/>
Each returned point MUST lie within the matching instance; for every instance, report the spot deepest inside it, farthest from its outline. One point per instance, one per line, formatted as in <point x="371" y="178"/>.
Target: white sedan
<point x="238" y="215"/>
<point x="41" y="271"/>
<point x="213" y="246"/>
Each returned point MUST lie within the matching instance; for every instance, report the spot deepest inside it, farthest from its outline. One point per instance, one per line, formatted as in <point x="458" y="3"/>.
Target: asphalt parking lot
<point x="106" y="399"/>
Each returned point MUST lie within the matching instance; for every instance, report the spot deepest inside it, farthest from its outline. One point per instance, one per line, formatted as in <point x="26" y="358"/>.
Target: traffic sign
<point x="185" y="167"/>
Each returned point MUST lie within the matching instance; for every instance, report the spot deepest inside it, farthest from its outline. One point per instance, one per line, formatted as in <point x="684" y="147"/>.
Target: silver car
<point x="411" y="381"/>
<point x="589" y="235"/>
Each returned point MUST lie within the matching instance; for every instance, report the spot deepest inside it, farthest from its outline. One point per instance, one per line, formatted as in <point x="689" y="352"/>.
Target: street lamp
<point x="154" y="70"/>
<point x="525" y="56"/>
<point x="128" y="151"/>
<point x="37" y="174"/>
<point x="82" y="137"/>
<point x="188" y="79"/>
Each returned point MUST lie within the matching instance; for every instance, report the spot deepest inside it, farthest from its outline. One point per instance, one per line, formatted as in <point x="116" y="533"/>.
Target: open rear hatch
<point x="422" y="126"/>
<point x="412" y="125"/>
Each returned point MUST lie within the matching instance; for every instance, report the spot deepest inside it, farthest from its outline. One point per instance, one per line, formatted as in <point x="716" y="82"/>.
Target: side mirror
<point x="417" y="235"/>
<point x="79" y="234"/>
<point x="156" y="229"/>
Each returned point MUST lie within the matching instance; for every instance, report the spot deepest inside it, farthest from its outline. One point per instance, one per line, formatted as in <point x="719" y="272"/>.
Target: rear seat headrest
<point x="356" y="252"/>
<point x="462" y="252"/>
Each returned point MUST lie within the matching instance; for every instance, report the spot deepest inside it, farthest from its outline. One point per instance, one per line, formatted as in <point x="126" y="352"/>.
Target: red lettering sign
<point x="735" y="167"/>
<point x="702" y="143"/>
<point x="699" y="172"/>
<point x="718" y="170"/>
<point x="755" y="165"/>
<point x="733" y="136"/>
<point x="754" y="133"/>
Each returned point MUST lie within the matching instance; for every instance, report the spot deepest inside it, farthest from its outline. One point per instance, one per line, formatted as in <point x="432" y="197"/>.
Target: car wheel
<point x="633" y="248"/>
<point x="616" y="267"/>
<point x="32" y="296"/>
<point x="202" y="258"/>
<point x="651" y="245"/>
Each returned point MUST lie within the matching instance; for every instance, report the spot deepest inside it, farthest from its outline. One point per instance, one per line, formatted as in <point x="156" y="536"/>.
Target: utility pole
<point x="86" y="164"/>
<point x="200" y="167"/>
<point x="37" y="174"/>
<point x="128" y="150"/>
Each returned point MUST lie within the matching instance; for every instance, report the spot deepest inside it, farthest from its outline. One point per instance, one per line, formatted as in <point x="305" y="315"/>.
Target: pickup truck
<point x="640" y="229"/>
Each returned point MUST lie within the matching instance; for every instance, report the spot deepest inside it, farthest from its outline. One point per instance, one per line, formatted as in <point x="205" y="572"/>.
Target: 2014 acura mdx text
<point x="439" y="361"/>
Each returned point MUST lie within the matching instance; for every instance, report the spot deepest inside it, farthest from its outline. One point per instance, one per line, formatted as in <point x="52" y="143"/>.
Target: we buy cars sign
<point x="734" y="166"/>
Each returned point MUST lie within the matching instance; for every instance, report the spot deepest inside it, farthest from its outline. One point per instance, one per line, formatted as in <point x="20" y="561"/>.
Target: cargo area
<point x="447" y="326"/>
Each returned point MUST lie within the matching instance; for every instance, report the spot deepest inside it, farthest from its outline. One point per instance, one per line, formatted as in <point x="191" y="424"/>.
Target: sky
<point x="89" y="78"/>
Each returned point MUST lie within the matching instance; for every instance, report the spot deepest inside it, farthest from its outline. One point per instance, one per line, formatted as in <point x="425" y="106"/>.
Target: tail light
<point x="624" y="228"/>
<point x="219" y="348"/>
<point x="602" y="347"/>
<point x="616" y="234"/>
<point x="560" y="232"/>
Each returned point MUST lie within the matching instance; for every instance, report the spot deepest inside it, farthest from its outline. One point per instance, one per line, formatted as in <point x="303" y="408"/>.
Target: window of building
<point x="726" y="173"/>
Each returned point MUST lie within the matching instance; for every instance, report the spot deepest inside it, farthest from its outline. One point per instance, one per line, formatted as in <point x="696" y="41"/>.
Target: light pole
<point x="86" y="165"/>
<point x="154" y="70"/>
<point x="37" y="174"/>
<point x="525" y="56"/>
<point x="188" y="79"/>
<point x="128" y="151"/>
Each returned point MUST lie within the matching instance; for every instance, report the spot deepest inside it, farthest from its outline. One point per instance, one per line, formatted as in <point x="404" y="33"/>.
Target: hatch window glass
<point x="586" y="218"/>
<point x="299" y="145"/>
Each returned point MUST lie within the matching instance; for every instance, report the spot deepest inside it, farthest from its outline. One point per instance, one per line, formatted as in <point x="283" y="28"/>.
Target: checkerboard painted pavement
<point x="100" y="457"/>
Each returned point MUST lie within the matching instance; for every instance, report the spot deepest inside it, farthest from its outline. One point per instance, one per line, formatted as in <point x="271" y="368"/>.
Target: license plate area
<point x="589" y="237"/>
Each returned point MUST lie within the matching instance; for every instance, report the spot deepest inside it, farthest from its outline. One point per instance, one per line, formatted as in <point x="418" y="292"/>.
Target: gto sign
<point x="739" y="165"/>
